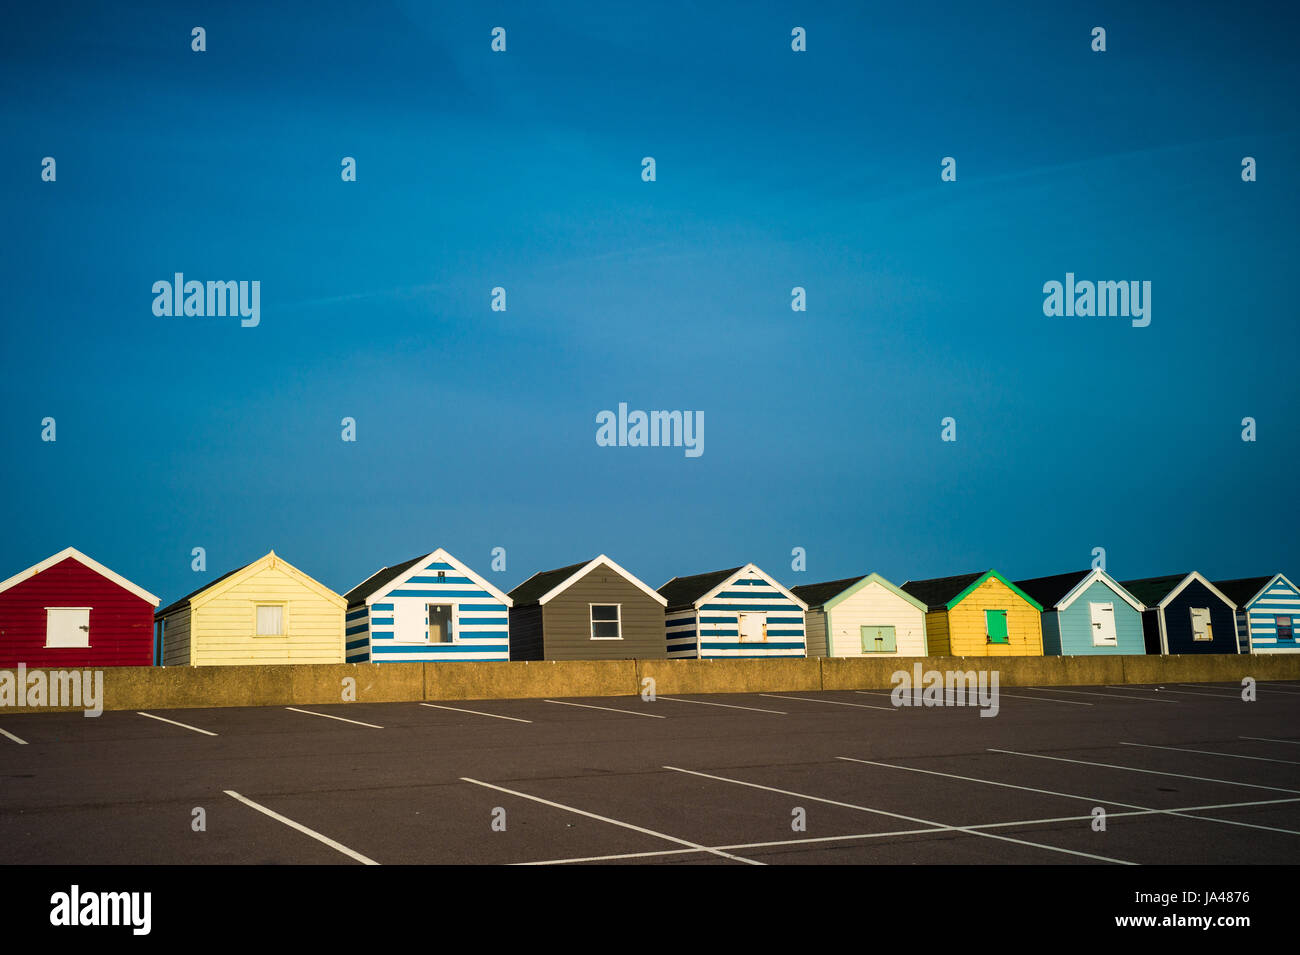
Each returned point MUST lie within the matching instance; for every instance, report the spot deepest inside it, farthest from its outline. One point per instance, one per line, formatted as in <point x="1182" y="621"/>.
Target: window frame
<point x="67" y="646"/>
<point x="284" y="619"/>
<point x="1006" y="628"/>
<point x="862" y="637"/>
<point x="1277" y="627"/>
<point x="592" y="621"/>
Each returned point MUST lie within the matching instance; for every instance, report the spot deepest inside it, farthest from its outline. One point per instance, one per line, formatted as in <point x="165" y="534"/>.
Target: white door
<point x="753" y="627"/>
<point x="1103" y="624"/>
<point x="67" y="626"/>
<point x="1201" y="627"/>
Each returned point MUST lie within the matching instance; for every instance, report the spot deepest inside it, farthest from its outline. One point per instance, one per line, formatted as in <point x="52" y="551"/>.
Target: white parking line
<point x="1153" y="772"/>
<point x="730" y="706"/>
<point x="1207" y="752"/>
<point x="1265" y="739"/>
<point x="1114" y="696"/>
<point x="805" y="699"/>
<point x="1230" y="698"/>
<point x="1236" y="690"/>
<point x="20" y="742"/>
<point x="341" y="719"/>
<point x="929" y="830"/>
<point x="351" y="853"/>
<point x="1093" y="799"/>
<point x="1001" y="693"/>
<point x="457" y="709"/>
<point x="611" y="709"/>
<point x="163" y="719"/>
<point x="895" y="815"/>
<point x="614" y="822"/>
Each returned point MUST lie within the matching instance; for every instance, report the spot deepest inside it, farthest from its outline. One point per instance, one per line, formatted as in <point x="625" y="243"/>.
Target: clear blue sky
<point x="477" y="428"/>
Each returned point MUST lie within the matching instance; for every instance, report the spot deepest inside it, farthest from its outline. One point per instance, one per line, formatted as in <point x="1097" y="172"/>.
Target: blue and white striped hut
<point x="733" y="614"/>
<point x="428" y="608"/>
<point x="1268" y="609"/>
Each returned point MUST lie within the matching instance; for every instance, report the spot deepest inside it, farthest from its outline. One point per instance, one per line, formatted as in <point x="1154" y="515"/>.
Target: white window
<point x="606" y="621"/>
<point x="67" y="626"/>
<point x="752" y="627"/>
<point x="440" y="622"/>
<point x="1202" y="629"/>
<point x="1103" y="624"/>
<point x="270" y="620"/>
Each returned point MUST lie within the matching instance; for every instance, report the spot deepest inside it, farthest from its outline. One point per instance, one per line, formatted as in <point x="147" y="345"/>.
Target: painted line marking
<point x="457" y="709"/>
<point x="1206" y="752"/>
<point x="654" y="716"/>
<point x="805" y="699"/>
<point x="351" y="853"/>
<point x="614" y="822"/>
<point x="895" y="815"/>
<point x="1115" y="696"/>
<point x="164" y="719"/>
<point x="1152" y="772"/>
<point x="328" y="716"/>
<point x="1093" y="799"/>
<point x="1265" y="739"/>
<point x="730" y="706"/>
<point x="1236" y="690"/>
<point x="1213" y="696"/>
<point x="929" y="830"/>
<point x="1001" y="693"/>
<point x="20" y="742"/>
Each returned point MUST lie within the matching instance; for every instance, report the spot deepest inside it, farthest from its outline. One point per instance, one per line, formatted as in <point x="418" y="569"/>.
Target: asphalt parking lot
<point x="1185" y="774"/>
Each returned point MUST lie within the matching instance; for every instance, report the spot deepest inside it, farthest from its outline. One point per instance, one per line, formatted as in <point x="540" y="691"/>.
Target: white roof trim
<point x="1109" y="581"/>
<point x="590" y="566"/>
<point x="1194" y="575"/>
<point x="740" y="573"/>
<point x="1269" y="586"/>
<point x="419" y="568"/>
<point x="81" y="558"/>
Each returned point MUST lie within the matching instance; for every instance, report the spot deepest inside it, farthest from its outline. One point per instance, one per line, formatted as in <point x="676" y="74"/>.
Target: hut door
<point x="1103" y="624"/>
<point x="753" y="627"/>
<point x="1202" y="629"/>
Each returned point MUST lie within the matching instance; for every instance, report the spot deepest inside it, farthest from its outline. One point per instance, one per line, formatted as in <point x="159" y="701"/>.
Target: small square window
<point x="270" y="620"/>
<point x="606" y="622"/>
<point x="995" y="625"/>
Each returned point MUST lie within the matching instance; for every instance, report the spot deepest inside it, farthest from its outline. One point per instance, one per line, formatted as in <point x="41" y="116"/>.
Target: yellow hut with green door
<point x="979" y="615"/>
<point x="265" y="612"/>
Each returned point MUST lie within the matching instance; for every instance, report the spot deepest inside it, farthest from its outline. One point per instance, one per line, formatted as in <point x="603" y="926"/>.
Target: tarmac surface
<point x="1184" y="774"/>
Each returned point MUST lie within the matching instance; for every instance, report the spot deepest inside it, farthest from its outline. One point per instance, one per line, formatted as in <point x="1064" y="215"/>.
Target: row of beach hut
<point x="71" y="611"/>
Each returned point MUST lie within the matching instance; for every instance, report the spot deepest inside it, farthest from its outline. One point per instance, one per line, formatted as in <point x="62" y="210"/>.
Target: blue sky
<point x="476" y="429"/>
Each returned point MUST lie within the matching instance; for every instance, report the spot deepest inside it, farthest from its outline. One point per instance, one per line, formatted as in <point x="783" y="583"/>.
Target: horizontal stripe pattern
<point x="1259" y="620"/>
<point x="712" y="630"/>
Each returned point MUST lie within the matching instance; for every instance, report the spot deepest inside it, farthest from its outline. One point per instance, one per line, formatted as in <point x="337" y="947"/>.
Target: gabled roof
<point x="944" y="593"/>
<point x="826" y="595"/>
<point x="71" y="553"/>
<point x="1156" y="592"/>
<point x="390" y="578"/>
<point x="684" y="591"/>
<point x="266" y="558"/>
<point x="379" y="578"/>
<point x="546" y="584"/>
<point x="1246" y="590"/>
<point x="1059" y="591"/>
<point x="694" y="590"/>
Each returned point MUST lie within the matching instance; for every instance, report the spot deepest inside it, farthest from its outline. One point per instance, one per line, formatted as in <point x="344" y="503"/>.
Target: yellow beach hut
<point x="979" y="615"/>
<point x="265" y="612"/>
